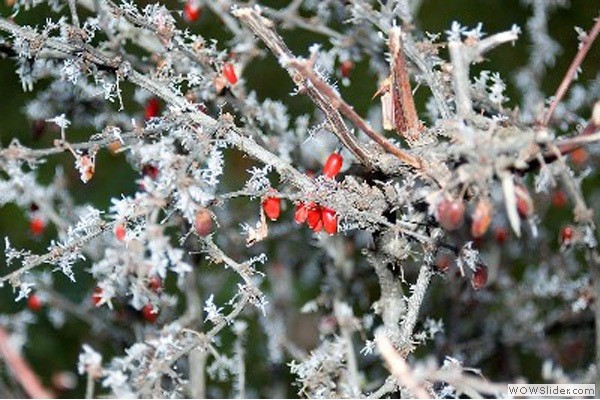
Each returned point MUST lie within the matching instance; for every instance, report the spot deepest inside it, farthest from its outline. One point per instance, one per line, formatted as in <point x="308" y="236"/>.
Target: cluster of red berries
<point x="318" y="217"/>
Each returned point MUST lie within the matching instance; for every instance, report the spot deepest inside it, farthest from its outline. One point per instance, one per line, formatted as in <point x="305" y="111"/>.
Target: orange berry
<point x="579" y="156"/>
<point x="482" y="218"/>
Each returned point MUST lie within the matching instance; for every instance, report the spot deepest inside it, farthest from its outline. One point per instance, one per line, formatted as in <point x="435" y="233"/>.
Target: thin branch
<point x="586" y="44"/>
<point x="264" y="29"/>
<point x="306" y="70"/>
<point x="399" y="367"/>
<point x="21" y="370"/>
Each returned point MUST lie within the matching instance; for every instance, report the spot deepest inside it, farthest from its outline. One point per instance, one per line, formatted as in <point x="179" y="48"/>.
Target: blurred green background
<point x="51" y="350"/>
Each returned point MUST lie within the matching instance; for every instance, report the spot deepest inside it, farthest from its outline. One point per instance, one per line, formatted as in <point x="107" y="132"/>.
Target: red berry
<point x="272" y="207"/>
<point x="346" y="68"/>
<point x="301" y="213"/>
<point x="229" y="73"/>
<point x="443" y="263"/>
<point x="152" y="108"/>
<point x="451" y="214"/>
<point x="314" y="217"/>
<point x="333" y="165"/>
<point x="482" y="218"/>
<point x="150" y="170"/>
<point x="191" y="11"/>
<point x="480" y="277"/>
<point x="155" y="284"/>
<point x="524" y="201"/>
<point x="37" y="226"/>
<point x="203" y="222"/>
<point x="329" y="218"/>
<point x="34" y="303"/>
<point x="149" y="313"/>
<point x="579" y="156"/>
<point x="566" y="234"/>
<point x="120" y="231"/>
<point x="96" y="296"/>
<point x="559" y="199"/>
<point x="500" y="234"/>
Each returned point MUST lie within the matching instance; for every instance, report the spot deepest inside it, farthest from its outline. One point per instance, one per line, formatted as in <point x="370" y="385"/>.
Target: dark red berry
<point x="566" y="234"/>
<point x="451" y="214"/>
<point x="150" y="171"/>
<point x="480" y="277"/>
<point x="149" y="313"/>
<point x="97" y="296"/>
<point x="152" y="108"/>
<point x="500" y="234"/>
<point x="346" y="68"/>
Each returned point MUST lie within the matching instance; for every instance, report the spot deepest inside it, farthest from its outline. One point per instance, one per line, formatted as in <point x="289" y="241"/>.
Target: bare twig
<point x="586" y="44"/>
<point x="399" y="367"/>
<point x="21" y="369"/>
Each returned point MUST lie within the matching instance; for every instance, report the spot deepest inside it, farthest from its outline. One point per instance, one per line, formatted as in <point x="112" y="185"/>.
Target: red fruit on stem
<point x="451" y="214"/>
<point x="480" y="277"/>
<point x="333" y="165"/>
<point x="37" y="226"/>
<point x="482" y="218"/>
<point x="559" y="199"/>
<point x="229" y="73"/>
<point x="191" y="11"/>
<point x="203" y="222"/>
<point x="96" y="296"/>
<point x="149" y="313"/>
<point x="443" y="263"/>
<point x="500" y="234"/>
<point x="34" y="303"/>
<point x="579" y="156"/>
<point x="152" y="108"/>
<point x="301" y="213"/>
<point x="155" y="284"/>
<point x="272" y="207"/>
<point x="346" y="68"/>
<point x="524" y="201"/>
<point x="150" y="170"/>
<point x="120" y="231"/>
<point x="566" y="234"/>
<point x="329" y="218"/>
<point x="314" y="217"/>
